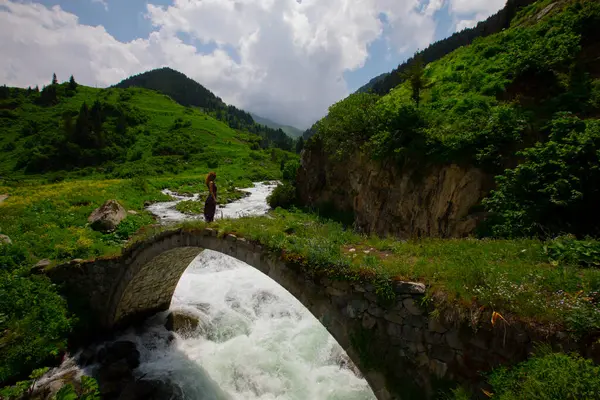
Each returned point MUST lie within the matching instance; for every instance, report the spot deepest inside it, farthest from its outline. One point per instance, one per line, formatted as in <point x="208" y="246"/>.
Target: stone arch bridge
<point x="401" y="351"/>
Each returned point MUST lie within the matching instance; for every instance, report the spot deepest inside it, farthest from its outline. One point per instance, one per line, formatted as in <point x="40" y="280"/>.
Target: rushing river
<point x="254" y="341"/>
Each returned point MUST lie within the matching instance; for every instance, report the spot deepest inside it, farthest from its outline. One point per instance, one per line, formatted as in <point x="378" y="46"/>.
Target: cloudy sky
<point x="287" y="60"/>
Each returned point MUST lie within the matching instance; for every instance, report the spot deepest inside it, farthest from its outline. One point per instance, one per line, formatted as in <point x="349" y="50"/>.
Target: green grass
<point x="51" y="219"/>
<point x="191" y="141"/>
<point x="513" y="277"/>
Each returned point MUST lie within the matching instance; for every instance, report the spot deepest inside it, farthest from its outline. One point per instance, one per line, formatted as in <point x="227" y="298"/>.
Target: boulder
<point x="87" y="357"/>
<point x="40" y="266"/>
<point x="401" y="287"/>
<point x="120" y="350"/>
<point x="182" y="321"/>
<point x="5" y="239"/>
<point x="146" y="389"/>
<point x="107" y="217"/>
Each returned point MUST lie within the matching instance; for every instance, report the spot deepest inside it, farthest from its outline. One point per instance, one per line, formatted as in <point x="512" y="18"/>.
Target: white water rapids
<point x="255" y="341"/>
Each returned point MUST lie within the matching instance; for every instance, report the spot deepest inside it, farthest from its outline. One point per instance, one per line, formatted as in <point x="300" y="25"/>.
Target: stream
<point x="254" y="339"/>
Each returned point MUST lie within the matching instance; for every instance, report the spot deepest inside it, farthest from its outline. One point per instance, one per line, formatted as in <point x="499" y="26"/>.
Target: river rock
<point x="182" y="321"/>
<point x="120" y="350"/>
<point x="339" y="357"/>
<point x="5" y="239"/>
<point x="106" y="217"/>
<point x="117" y="361"/>
<point x="151" y="390"/>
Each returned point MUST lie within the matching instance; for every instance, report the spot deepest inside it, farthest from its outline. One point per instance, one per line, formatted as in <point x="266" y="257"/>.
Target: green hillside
<point x="188" y="92"/>
<point x="289" y="130"/>
<point x="119" y="133"/>
<point x="522" y="104"/>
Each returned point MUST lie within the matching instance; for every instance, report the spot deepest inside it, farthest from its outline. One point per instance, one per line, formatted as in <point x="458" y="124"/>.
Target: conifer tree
<point x="72" y="83"/>
<point x="54" y="80"/>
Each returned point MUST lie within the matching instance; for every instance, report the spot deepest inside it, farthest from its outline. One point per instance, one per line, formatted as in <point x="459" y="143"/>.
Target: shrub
<point x="570" y="251"/>
<point x="129" y="226"/>
<point x="349" y="124"/>
<point x="283" y="196"/>
<point x="290" y="169"/>
<point x="34" y="321"/>
<point x="555" y="189"/>
<point x="548" y="376"/>
<point x="401" y="133"/>
<point x="140" y="183"/>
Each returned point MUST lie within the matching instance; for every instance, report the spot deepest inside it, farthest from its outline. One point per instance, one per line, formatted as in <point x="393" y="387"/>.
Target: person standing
<point x="210" y="205"/>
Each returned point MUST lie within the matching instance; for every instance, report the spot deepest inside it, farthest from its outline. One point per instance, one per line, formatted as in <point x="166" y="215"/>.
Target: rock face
<point x="5" y="239"/>
<point x="181" y="321"/>
<point x="107" y="217"/>
<point x="387" y="200"/>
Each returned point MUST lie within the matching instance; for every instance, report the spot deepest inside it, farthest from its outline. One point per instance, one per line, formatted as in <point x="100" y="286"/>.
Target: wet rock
<point x="106" y="217"/>
<point x="340" y="358"/>
<point x="5" y="239"/>
<point x="52" y="388"/>
<point x="151" y="390"/>
<point x="47" y="386"/>
<point x="182" y="321"/>
<point x="120" y="350"/>
<point x="114" y="371"/>
<point x="86" y="357"/>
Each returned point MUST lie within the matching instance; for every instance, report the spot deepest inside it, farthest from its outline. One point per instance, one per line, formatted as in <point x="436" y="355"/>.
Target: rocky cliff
<point x="437" y="201"/>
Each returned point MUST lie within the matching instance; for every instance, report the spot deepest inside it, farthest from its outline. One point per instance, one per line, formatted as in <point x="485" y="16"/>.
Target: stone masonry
<point x="403" y="352"/>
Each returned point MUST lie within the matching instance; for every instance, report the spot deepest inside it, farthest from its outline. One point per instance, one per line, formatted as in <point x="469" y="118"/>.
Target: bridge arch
<point x="152" y="269"/>
<point x="402" y="352"/>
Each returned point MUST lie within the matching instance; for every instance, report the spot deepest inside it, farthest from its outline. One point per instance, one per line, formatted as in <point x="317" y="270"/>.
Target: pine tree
<point x="68" y="127"/>
<point x="97" y="118"/>
<point x="54" y="80"/>
<point x="299" y="145"/>
<point x="72" y="84"/>
<point x="82" y="127"/>
<point x="49" y="95"/>
<point x="416" y="76"/>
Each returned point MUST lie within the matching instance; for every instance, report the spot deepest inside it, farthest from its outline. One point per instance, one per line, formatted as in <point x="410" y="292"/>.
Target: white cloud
<point x="102" y="2"/>
<point x="290" y="56"/>
<point x="481" y="7"/>
<point x="467" y="13"/>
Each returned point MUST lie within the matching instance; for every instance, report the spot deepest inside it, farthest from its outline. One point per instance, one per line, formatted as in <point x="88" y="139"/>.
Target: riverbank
<point x="466" y="279"/>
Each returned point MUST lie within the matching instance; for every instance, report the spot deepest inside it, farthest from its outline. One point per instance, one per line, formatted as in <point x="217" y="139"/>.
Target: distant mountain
<point x="190" y="93"/>
<point x="289" y="130"/>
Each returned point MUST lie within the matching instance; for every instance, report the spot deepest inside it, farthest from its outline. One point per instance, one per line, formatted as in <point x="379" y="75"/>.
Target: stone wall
<point x="403" y="352"/>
